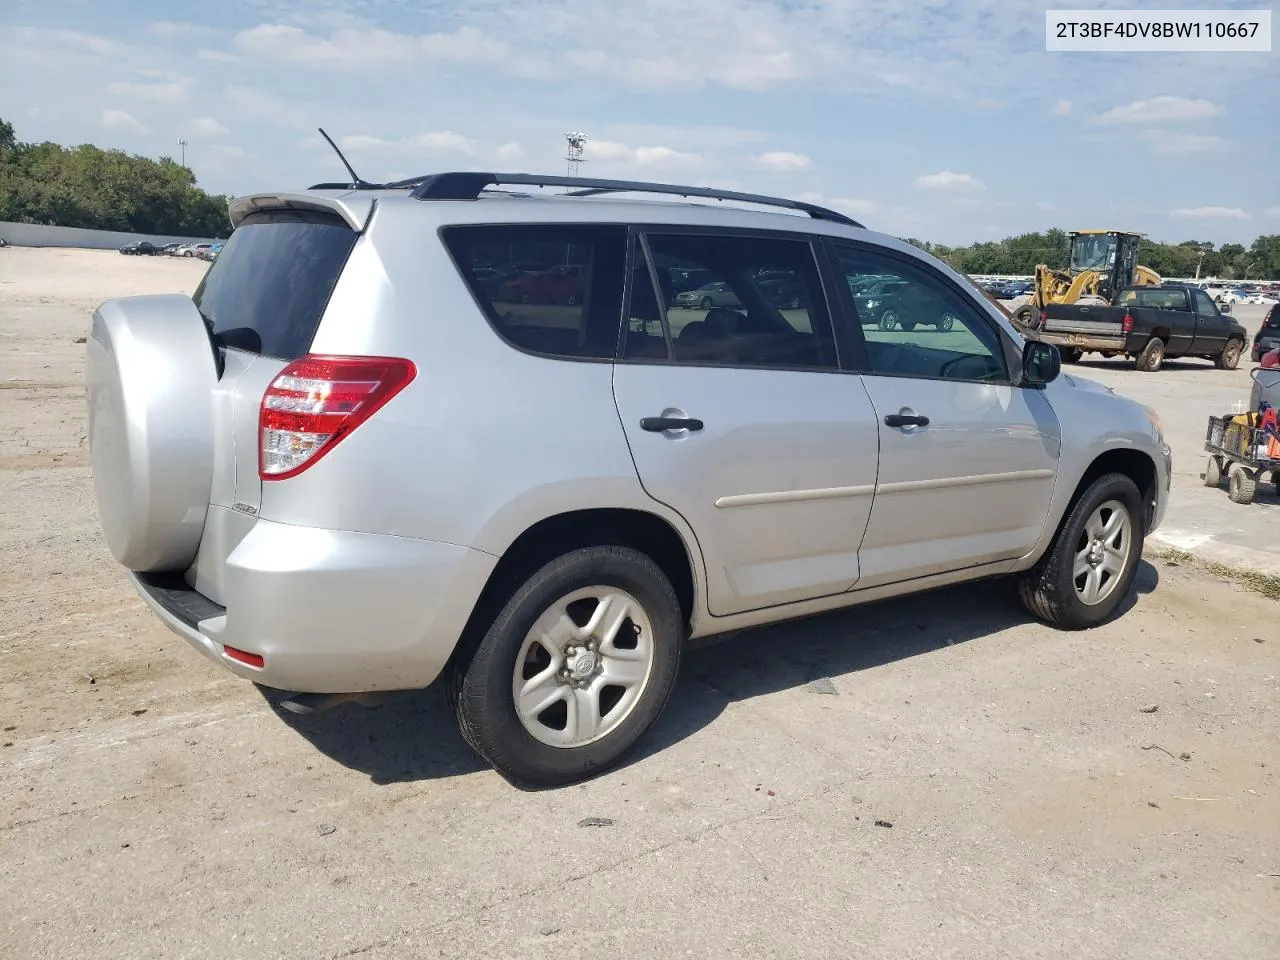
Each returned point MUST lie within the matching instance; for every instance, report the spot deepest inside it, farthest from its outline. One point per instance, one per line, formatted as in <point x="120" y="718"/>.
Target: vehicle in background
<point x="191" y="249"/>
<point x="1268" y="336"/>
<point x="210" y="252"/>
<point x="717" y="293"/>
<point x="169" y="249"/>
<point x="1232" y="295"/>
<point x="362" y="472"/>
<point x="139" y="248"/>
<point x="1148" y="324"/>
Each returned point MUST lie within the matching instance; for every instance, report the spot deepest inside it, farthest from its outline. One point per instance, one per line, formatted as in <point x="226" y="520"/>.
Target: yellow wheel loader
<point x="1102" y="262"/>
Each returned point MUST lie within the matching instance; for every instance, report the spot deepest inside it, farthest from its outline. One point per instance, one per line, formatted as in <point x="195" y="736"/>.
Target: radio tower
<point x="577" y="142"/>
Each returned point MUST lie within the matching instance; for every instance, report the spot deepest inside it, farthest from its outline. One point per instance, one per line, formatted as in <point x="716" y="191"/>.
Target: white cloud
<point x="1165" y="141"/>
<point x="1160" y="110"/>
<point x="1209" y="213"/>
<point x="783" y="161"/>
<point x="509" y="153"/>
<point x="429" y="143"/>
<point x="206" y="127"/>
<point x="120" y="120"/>
<point x="1062" y="108"/>
<point x="217" y="56"/>
<point x="946" y="180"/>
<point x="150" y="92"/>
<point x="653" y="158"/>
<point x="174" y="30"/>
<point x="367" y="47"/>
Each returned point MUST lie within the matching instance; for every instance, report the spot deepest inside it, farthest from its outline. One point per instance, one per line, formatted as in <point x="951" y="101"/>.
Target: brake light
<point x="1044" y="318"/>
<point x="316" y="401"/>
<point x="1128" y="322"/>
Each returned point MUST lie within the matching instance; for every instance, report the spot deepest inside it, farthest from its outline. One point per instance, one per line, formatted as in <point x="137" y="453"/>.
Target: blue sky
<point x="942" y="120"/>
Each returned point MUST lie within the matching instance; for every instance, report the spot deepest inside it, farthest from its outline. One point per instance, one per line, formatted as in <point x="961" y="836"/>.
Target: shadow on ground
<point x="407" y="737"/>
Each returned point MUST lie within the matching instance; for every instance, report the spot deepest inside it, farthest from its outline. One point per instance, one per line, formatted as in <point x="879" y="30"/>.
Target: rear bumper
<point x="330" y="611"/>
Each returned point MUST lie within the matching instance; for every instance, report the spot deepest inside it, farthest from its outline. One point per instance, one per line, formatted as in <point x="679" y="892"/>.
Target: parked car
<point x="1148" y="324"/>
<point x="1268" y="335"/>
<point x="1235" y="295"/>
<point x="363" y="472"/>
<point x="169" y="249"/>
<point x="717" y="293"/>
<point x="139" y="248"/>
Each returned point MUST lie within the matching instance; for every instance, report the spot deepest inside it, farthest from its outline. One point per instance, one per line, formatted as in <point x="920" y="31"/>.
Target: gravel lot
<point x="914" y="779"/>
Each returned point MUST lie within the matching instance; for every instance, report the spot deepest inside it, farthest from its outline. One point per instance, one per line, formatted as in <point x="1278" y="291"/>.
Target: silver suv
<point x="434" y="429"/>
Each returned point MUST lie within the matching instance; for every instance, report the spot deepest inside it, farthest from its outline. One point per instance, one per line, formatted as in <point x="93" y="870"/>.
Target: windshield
<point x="1096" y="252"/>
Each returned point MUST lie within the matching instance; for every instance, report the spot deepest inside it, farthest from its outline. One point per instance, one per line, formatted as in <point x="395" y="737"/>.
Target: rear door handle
<point x="663" y="424"/>
<point x="902" y="420"/>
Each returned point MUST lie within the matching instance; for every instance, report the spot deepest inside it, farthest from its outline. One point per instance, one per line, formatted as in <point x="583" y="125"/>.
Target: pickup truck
<point x="1147" y="324"/>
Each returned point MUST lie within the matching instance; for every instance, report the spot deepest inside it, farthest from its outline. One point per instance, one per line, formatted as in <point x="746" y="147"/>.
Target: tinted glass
<point x="917" y="325"/>
<point x="646" y="321"/>
<point x="269" y="286"/>
<point x="1204" y="305"/>
<point x="1273" y="319"/>
<point x="760" y="303"/>
<point x="550" y="289"/>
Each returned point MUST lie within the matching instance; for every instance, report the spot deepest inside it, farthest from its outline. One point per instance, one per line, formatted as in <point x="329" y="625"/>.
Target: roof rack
<point x="466" y="185"/>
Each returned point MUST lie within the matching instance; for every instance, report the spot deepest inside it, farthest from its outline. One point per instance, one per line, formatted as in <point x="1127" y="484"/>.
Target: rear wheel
<point x="1071" y="355"/>
<point x="947" y="322"/>
<point x="1241" y="485"/>
<point x="1229" y="358"/>
<point x="1089" y="568"/>
<point x="1152" y="356"/>
<point x="574" y="669"/>
<point x="1213" y="473"/>
<point x="888" y="320"/>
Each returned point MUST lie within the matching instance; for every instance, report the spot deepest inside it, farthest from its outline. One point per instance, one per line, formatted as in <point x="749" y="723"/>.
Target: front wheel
<point x="574" y="669"/>
<point x="1089" y="567"/>
<point x="1229" y="358"/>
<point x="946" y="323"/>
<point x="704" y="303"/>
<point x="888" y="320"/>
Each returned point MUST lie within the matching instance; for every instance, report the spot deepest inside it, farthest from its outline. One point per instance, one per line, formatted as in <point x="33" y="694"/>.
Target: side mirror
<point x="1041" y="363"/>
<point x="1224" y="307"/>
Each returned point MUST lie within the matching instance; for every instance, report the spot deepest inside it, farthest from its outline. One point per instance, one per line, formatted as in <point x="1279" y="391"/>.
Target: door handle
<point x="663" y="424"/>
<point x="902" y="420"/>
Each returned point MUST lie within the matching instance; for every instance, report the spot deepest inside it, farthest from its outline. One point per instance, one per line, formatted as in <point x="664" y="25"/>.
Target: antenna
<point x="577" y="143"/>
<point x="356" y="182"/>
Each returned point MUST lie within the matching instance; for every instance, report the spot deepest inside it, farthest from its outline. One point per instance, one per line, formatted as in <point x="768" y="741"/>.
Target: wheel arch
<point x="1134" y="464"/>
<point x="552" y="536"/>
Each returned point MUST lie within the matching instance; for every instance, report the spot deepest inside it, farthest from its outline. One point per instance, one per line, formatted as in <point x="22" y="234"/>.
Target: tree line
<point x="97" y="189"/>
<point x="1019" y="256"/>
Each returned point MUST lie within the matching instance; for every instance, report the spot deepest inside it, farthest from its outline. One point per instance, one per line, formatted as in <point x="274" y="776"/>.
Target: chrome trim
<point x="910" y="486"/>
<point x="796" y="496"/>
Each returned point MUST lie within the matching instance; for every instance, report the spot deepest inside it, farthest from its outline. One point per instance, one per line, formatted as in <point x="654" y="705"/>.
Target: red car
<point x="561" y="285"/>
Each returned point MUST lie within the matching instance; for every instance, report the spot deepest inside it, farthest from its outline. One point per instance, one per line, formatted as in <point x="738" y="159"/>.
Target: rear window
<point x="550" y="289"/>
<point x="1156" y="299"/>
<point x="268" y="288"/>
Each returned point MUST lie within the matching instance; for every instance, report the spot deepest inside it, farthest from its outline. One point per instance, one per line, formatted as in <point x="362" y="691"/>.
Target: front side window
<point x="551" y="289"/>
<point x="1204" y="305"/>
<point x="759" y="303"/>
<point x="917" y="325"/>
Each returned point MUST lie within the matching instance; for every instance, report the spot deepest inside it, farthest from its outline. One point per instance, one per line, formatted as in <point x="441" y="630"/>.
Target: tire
<point x="888" y="320"/>
<point x="1071" y="355"/>
<point x="705" y="304"/>
<point x="1241" y="485"/>
<point x="946" y="323"/>
<point x="532" y="752"/>
<point x="1051" y="591"/>
<point x="1229" y="358"/>
<point x="1152" y="356"/>
<point x="1023" y="315"/>
<point x="1213" y="473"/>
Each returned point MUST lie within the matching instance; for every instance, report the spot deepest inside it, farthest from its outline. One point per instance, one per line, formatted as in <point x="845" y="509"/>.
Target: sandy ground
<point x="915" y="779"/>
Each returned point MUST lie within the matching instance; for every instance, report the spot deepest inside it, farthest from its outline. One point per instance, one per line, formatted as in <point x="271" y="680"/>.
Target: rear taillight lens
<point x="1044" y="316"/>
<point x="316" y="401"/>
<point x="1128" y="322"/>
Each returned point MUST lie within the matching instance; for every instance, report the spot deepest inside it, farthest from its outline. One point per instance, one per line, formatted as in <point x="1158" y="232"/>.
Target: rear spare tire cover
<point x="150" y="375"/>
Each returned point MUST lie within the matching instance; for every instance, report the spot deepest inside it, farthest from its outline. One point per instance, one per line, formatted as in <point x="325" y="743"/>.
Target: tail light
<point x="1128" y="322"/>
<point x="1044" y="317"/>
<point x="316" y="401"/>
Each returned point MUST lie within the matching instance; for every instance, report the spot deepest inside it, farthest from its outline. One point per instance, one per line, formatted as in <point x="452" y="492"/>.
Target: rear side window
<point x="268" y="288"/>
<point x="550" y="289"/>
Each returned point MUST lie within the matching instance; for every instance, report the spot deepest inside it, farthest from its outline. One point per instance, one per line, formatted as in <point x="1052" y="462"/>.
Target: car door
<point x="1211" y="326"/>
<point x="742" y="421"/>
<point x="968" y="461"/>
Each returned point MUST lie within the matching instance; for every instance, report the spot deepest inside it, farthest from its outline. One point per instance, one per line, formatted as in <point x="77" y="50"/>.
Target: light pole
<point x="182" y="145"/>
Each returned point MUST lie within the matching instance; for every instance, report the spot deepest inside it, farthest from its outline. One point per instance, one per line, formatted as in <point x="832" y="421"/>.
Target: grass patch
<point x="1262" y="583"/>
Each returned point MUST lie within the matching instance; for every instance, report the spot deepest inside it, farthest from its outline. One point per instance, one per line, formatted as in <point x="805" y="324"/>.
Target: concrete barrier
<point x="40" y="235"/>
